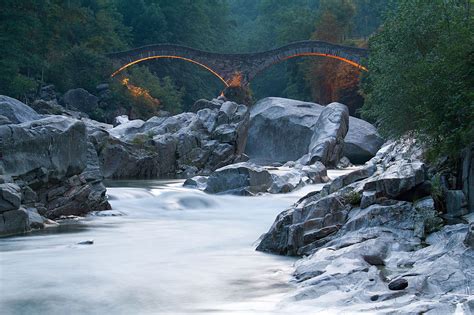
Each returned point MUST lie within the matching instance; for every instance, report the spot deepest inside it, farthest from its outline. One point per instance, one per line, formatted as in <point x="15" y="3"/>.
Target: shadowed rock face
<point x="48" y="169"/>
<point x="327" y="142"/>
<point x="285" y="128"/>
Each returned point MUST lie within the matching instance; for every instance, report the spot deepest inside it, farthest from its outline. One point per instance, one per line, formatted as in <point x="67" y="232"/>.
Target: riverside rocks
<point x="47" y="171"/>
<point x="284" y="128"/>
<point x="182" y="145"/>
<point x="246" y="178"/>
<point x="366" y="234"/>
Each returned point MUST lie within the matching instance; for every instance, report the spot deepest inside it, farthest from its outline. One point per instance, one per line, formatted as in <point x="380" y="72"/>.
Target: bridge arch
<point x="169" y="57"/>
<point x="228" y="67"/>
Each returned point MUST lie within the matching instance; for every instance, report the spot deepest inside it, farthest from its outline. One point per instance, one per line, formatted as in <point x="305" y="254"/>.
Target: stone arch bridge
<point x="239" y="69"/>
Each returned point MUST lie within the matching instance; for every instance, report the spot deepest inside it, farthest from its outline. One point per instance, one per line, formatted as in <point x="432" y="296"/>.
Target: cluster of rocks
<point x="77" y="103"/>
<point x="46" y="169"/>
<point x="182" y="145"/>
<point x="375" y="235"/>
<point x="308" y="137"/>
<point x="248" y="179"/>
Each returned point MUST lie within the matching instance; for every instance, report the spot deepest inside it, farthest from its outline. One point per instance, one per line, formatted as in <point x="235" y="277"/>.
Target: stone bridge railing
<point x="239" y="69"/>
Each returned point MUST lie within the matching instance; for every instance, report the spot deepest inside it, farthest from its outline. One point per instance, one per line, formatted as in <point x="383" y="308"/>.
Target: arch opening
<point x="352" y="63"/>
<point x="169" y="57"/>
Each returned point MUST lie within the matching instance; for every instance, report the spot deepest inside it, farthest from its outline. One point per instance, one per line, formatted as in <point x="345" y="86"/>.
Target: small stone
<point x="398" y="284"/>
<point x="374" y="260"/>
<point x="87" y="242"/>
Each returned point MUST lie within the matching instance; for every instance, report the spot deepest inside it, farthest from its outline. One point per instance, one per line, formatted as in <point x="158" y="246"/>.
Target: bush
<point x="353" y="198"/>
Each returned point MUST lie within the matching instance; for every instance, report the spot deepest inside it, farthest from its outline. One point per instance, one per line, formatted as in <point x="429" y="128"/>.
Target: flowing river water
<point x="172" y="250"/>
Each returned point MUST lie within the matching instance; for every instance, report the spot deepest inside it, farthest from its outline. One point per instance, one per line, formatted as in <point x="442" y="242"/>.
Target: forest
<point x="64" y="43"/>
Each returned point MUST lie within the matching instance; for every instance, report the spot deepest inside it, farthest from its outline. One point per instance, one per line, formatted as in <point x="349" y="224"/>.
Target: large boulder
<point x="362" y="141"/>
<point x="246" y="178"/>
<point x="329" y="131"/>
<point x="48" y="168"/>
<point x="81" y="100"/>
<point x="284" y="128"/>
<point x="241" y="178"/>
<point x="10" y="197"/>
<point x="57" y="144"/>
<point x="281" y="129"/>
<point x="16" y="111"/>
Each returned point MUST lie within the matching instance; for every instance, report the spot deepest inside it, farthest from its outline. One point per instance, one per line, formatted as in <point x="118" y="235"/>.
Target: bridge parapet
<point x="246" y="65"/>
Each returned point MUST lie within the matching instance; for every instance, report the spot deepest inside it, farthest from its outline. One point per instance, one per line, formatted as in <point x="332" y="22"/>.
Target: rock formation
<point x="46" y="170"/>
<point x="284" y="128"/>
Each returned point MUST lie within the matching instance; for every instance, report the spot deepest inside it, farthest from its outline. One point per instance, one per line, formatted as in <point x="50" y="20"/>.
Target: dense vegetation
<point x="420" y="76"/>
<point x="64" y="42"/>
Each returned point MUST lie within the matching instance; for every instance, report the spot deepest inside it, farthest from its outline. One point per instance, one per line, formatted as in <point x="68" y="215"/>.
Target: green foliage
<point x="164" y="90"/>
<point x="421" y="78"/>
<point x="353" y="198"/>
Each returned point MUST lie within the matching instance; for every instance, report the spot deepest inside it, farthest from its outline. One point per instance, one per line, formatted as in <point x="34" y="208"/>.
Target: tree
<point x="332" y="80"/>
<point x="420" y="77"/>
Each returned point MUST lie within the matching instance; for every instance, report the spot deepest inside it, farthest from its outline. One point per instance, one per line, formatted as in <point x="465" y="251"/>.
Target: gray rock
<point x="238" y="178"/>
<point x="398" y="284"/>
<point x="368" y="198"/>
<point x="48" y="93"/>
<point x="455" y="201"/>
<point x="362" y="141"/>
<point x="198" y="182"/>
<point x="284" y="128"/>
<point x="10" y="197"/>
<point x="399" y="178"/>
<point x="281" y="129"/>
<point x="207" y="118"/>
<point x="55" y="143"/>
<point x="16" y="111"/>
<point x="86" y="242"/>
<point x="81" y="100"/>
<point x="14" y="222"/>
<point x="202" y="104"/>
<point x="296" y="229"/>
<point x="344" y="162"/>
<point x="225" y="133"/>
<point x="468" y="176"/>
<point x="287" y="180"/>
<point x="4" y="120"/>
<point x="469" y="239"/>
<point x="127" y="128"/>
<point x="36" y="221"/>
<point x="122" y="119"/>
<point x="329" y="131"/>
<point x="55" y="168"/>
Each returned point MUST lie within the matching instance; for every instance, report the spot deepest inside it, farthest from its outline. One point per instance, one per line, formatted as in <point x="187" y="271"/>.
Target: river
<point x="167" y="249"/>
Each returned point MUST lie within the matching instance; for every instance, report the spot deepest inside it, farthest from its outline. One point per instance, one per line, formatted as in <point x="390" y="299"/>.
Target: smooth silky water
<point x="174" y="250"/>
